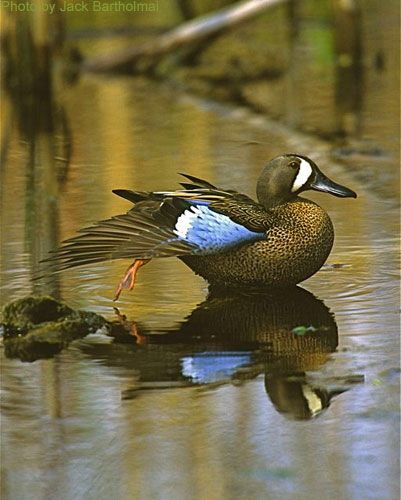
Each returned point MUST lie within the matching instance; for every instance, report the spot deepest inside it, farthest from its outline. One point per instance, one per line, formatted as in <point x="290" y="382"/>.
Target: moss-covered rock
<point x="39" y="327"/>
<point x="21" y="315"/>
<point x="45" y="340"/>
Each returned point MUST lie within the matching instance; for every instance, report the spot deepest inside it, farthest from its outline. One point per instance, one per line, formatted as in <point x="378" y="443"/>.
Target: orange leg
<point x="128" y="280"/>
<point x="131" y="327"/>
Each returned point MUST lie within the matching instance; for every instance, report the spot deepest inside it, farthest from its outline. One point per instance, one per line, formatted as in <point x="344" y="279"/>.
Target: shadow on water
<point x="231" y="338"/>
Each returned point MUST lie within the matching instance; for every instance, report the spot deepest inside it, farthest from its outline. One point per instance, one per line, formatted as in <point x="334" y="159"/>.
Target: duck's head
<point x="286" y="176"/>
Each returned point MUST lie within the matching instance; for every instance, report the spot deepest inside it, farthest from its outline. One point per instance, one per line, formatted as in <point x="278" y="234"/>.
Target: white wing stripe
<point x="185" y="220"/>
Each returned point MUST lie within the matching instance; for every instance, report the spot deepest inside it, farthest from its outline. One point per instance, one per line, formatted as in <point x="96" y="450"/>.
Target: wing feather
<point x="149" y="229"/>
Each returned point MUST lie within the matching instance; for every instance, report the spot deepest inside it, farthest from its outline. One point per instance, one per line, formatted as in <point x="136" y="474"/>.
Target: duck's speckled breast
<point x="295" y="248"/>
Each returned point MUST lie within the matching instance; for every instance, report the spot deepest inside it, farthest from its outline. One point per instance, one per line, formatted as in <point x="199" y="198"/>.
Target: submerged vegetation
<point x="39" y="327"/>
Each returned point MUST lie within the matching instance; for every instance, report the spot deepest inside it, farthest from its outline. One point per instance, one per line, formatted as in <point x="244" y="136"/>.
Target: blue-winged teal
<point x="224" y="236"/>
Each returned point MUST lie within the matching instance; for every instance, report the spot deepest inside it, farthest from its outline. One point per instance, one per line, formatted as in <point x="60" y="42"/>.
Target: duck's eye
<point x="293" y="164"/>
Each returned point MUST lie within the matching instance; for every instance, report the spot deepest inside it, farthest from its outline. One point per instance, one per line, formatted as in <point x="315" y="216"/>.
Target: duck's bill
<point x="324" y="184"/>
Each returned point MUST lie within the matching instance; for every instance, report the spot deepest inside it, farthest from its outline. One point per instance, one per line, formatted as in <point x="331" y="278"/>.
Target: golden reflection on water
<point x="142" y="146"/>
<point x="87" y="420"/>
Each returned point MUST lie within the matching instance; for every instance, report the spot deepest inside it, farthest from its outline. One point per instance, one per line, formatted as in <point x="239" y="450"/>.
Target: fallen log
<point x="142" y="58"/>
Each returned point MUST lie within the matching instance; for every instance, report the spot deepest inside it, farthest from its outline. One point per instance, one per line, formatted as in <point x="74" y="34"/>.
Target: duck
<point x="228" y="238"/>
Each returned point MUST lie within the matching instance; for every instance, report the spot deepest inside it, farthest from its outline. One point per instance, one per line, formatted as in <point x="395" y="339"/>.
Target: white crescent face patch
<point x="304" y="172"/>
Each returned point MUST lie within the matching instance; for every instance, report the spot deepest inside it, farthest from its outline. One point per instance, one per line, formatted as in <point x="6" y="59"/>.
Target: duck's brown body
<point x="225" y="236"/>
<point x="295" y="248"/>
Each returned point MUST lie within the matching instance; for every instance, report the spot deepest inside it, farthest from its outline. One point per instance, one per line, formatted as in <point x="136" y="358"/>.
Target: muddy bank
<point x="317" y="68"/>
<point x="311" y="65"/>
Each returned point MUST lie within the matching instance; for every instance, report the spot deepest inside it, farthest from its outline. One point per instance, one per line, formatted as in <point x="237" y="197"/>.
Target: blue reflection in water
<point x="207" y="367"/>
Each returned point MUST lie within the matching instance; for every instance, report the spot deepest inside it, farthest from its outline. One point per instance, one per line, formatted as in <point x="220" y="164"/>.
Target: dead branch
<point x="140" y="58"/>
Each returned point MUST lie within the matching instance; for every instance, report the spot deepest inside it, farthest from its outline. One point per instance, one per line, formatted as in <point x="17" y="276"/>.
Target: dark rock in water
<point x="39" y="327"/>
<point x="23" y="314"/>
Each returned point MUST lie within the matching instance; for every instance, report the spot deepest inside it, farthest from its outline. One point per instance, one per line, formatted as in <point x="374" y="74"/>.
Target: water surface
<point x="224" y="398"/>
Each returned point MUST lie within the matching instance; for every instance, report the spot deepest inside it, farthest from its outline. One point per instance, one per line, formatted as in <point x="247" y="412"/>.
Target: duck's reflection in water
<point x="232" y="337"/>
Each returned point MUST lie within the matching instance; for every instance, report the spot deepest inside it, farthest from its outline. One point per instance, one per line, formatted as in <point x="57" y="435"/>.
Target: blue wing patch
<point x="211" y="231"/>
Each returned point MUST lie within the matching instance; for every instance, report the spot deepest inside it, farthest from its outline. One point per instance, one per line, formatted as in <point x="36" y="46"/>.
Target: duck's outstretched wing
<point x="238" y="207"/>
<point x="200" y="219"/>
